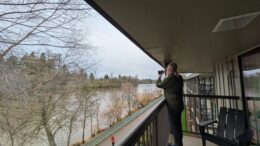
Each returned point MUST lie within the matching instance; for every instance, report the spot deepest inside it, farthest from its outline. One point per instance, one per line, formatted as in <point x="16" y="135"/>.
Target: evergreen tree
<point x="65" y="69"/>
<point x="13" y="60"/>
<point x="91" y="76"/>
<point x="106" y="77"/>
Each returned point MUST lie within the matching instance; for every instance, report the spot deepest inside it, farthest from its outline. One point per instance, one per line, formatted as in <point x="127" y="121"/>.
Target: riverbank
<point x="133" y="118"/>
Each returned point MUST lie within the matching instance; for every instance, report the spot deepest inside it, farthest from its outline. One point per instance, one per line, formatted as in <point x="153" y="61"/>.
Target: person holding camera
<point x="173" y="91"/>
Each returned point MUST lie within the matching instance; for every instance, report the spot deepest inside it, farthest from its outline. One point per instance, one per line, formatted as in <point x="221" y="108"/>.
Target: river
<point x="104" y="95"/>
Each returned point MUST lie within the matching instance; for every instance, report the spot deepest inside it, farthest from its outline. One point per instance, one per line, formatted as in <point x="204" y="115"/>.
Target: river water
<point x="104" y="95"/>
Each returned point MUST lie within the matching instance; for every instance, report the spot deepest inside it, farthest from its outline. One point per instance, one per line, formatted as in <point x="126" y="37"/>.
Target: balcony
<point x="154" y="130"/>
<point x="193" y="141"/>
<point x="201" y="38"/>
<point x="151" y="127"/>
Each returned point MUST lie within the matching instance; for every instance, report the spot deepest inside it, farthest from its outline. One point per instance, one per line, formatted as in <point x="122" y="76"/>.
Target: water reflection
<point x="104" y="96"/>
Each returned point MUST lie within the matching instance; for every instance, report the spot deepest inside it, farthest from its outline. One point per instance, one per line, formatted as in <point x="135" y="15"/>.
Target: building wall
<point x="227" y="77"/>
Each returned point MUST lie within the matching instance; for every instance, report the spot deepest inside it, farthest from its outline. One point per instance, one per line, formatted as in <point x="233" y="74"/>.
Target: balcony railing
<point x="254" y="116"/>
<point x="155" y="129"/>
<point x="204" y="107"/>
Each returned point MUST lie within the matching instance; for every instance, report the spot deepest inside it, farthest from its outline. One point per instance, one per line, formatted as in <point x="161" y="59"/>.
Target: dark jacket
<point x="173" y="91"/>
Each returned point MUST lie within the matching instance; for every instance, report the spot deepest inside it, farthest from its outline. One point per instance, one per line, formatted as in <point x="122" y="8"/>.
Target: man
<point x="173" y="91"/>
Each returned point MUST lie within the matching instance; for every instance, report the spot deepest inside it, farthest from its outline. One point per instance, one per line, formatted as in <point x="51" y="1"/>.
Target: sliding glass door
<point x="250" y="71"/>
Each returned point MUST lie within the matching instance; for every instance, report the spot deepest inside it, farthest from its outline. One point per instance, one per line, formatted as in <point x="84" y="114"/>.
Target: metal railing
<point x="104" y="135"/>
<point x="198" y="108"/>
<point x="155" y="129"/>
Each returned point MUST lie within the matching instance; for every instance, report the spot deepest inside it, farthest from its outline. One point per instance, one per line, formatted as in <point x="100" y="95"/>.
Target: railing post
<point x="190" y="122"/>
<point x="154" y="134"/>
<point x="195" y="114"/>
<point x="157" y="135"/>
<point x="149" y="135"/>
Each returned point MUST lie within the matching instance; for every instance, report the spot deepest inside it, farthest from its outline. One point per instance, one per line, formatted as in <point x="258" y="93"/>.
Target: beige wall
<point x="227" y="77"/>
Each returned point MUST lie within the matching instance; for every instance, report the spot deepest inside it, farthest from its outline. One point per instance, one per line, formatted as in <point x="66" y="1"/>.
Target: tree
<point x="97" y="105"/>
<point x="109" y="117"/>
<point x="65" y="69"/>
<point x="116" y="106"/>
<point x="46" y="106"/>
<point x="40" y="84"/>
<point x="42" y="61"/>
<point x="37" y="93"/>
<point x="106" y="77"/>
<point x="88" y="102"/>
<point x="128" y="91"/>
<point x="32" y="56"/>
<point x="48" y="91"/>
<point x="13" y="60"/>
<point x="40" y="23"/>
<point x="50" y="111"/>
<point x="16" y="126"/>
<point x="43" y="57"/>
<point x="14" y="118"/>
<point x="91" y="76"/>
<point x="73" y="109"/>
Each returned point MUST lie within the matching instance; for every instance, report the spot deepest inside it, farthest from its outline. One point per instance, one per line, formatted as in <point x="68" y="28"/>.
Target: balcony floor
<point x="193" y="141"/>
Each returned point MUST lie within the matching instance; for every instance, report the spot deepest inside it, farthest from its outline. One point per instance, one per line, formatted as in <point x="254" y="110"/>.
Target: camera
<point x="160" y="72"/>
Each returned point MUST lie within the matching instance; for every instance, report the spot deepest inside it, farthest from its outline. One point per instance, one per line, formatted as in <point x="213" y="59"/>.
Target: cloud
<point x="117" y="53"/>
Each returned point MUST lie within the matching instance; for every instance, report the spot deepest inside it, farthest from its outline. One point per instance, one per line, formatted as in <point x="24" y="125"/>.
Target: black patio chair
<point x="231" y="129"/>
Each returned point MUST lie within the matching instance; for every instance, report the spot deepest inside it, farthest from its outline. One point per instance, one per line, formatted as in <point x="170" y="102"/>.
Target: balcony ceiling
<point x="181" y="30"/>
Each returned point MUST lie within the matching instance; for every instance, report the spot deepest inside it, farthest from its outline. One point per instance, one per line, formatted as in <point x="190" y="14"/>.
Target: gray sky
<point x="116" y="53"/>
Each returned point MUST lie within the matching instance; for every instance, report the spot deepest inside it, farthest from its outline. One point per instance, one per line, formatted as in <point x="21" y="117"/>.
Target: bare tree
<point x="109" y="117"/>
<point x="51" y="106"/>
<point x="15" y="125"/>
<point x="128" y="93"/>
<point x="60" y="101"/>
<point x="13" y="82"/>
<point x="43" y="87"/>
<point x="41" y="23"/>
<point x="116" y="106"/>
<point x="48" y="107"/>
<point x="14" y="116"/>
<point x="73" y="110"/>
<point x="97" y="108"/>
<point x="88" y="104"/>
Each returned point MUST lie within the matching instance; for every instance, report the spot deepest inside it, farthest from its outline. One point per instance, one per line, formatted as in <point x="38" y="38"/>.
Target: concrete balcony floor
<point x="194" y="141"/>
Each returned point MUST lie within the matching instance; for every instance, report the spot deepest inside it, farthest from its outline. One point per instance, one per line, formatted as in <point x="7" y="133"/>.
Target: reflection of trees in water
<point x="252" y="89"/>
<point x="124" y="101"/>
<point x="252" y="84"/>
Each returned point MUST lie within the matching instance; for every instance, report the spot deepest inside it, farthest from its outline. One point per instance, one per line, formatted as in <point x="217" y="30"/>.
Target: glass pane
<point x="251" y="77"/>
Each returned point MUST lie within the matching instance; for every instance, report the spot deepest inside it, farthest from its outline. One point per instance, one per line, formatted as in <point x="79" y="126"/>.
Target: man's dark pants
<point x="176" y="127"/>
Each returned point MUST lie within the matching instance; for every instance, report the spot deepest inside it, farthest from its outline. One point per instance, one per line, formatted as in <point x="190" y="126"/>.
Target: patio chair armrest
<point x="206" y="123"/>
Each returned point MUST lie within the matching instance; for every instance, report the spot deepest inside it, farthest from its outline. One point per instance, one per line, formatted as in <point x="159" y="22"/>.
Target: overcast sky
<point x="116" y="53"/>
